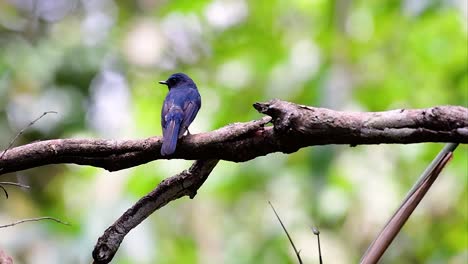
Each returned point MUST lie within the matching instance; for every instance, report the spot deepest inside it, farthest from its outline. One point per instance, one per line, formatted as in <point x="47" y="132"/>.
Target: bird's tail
<point x="170" y="135"/>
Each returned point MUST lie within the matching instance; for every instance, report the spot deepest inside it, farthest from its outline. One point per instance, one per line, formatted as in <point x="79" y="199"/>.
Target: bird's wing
<point x="165" y="110"/>
<point x="190" y="109"/>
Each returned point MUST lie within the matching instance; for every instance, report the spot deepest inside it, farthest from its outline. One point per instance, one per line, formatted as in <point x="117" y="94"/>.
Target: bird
<point x="180" y="108"/>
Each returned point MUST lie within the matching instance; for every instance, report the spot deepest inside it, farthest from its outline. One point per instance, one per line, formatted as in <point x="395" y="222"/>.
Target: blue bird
<point x="179" y="110"/>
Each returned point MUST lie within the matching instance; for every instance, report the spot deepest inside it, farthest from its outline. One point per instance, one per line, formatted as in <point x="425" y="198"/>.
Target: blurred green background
<point x="97" y="64"/>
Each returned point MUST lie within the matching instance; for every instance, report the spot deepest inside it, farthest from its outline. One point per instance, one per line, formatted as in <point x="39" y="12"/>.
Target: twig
<point x="15" y="184"/>
<point x="12" y="184"/>
<point x="317" y="233"/>
<point x="35" y="220"/>
<point x="4" y="190"/>
<point x="287" y="234"/>
<point x="22" y="131"/>
<point x="415" y="195"/>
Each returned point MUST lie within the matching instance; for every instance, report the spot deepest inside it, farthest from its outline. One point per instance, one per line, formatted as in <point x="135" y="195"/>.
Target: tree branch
<point x="177" y="186"/>
<point x="295" y="127"/>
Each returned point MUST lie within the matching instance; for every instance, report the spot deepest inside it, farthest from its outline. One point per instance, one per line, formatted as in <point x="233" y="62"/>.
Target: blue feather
<point x="171" y="132"/>
<point x="180" y="107"/>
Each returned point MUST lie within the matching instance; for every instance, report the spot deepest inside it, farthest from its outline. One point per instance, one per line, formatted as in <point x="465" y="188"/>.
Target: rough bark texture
<point x="185" y="183"/>
<point x="295" y="127"/>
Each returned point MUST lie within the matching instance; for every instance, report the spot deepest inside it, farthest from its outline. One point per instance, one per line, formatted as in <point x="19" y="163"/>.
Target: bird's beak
<point x="163" y="82"/>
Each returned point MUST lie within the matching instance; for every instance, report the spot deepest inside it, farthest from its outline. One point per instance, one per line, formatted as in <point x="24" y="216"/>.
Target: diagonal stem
<point x="287" y="234"/>
<point x="414" y="196"/>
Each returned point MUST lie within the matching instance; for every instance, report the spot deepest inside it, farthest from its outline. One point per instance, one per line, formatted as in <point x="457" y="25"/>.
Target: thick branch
<point x="185" y="183"/>
<point x="295" y="127"/>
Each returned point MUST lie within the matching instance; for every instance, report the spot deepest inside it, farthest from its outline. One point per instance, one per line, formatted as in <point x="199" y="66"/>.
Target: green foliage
<point x="98" y="66"/>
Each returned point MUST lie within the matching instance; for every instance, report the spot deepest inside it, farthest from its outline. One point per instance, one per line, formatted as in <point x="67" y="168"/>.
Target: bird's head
<point x="177" y="79"/>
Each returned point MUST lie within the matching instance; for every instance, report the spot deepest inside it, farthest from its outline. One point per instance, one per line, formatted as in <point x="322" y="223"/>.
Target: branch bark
<point x="295" y="127"/>
<point x="177" y="186"/>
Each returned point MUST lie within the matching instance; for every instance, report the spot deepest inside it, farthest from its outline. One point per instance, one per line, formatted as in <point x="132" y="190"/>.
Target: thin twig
<point x="15" y="184"/>
<point x="34" y="220"/>
<point x="317" y="233"/>
<point x="287" y="234"/>
<point x="4" y="190"/>
<point x="12" y="184"/>
<point x="22" y="131"/>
